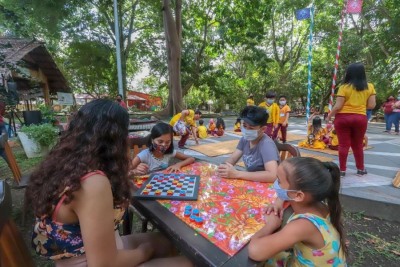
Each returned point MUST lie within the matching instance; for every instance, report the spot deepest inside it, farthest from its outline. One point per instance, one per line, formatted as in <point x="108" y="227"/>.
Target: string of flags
<point x="350" y="7"/>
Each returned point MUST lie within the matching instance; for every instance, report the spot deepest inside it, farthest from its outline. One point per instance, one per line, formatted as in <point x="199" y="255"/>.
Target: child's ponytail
<point x="335" y="208"/>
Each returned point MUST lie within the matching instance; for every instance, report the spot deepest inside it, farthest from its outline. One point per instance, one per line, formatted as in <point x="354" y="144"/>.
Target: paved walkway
<point x="373" y="193"/>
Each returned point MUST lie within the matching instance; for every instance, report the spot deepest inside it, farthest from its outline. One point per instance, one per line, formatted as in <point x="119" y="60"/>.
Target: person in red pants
<point x="284" y="110"/>
<point x="354" y="97"/>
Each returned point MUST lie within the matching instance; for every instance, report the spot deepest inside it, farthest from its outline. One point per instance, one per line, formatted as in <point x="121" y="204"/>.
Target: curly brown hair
<point x="96" y="139"/>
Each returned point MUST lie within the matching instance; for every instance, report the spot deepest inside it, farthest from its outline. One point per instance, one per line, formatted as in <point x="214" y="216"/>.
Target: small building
<point x="29" y="70"/>
<point x="143" y="101"/>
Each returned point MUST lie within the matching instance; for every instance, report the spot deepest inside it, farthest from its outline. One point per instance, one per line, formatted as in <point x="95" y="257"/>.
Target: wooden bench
<point x="13" y="250"/>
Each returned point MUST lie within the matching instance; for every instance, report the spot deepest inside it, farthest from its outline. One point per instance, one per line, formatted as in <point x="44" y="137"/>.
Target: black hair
<point x="96" y="139"/>
<point x="239" y="120"/>
<point x="220" y="122"/>
<point x="316" y="125"/>
<point x="119" y="95"/>
<point x="197" y="112"/>
<point x="201" y="122"/>
<point x="282" y="96"/>
<point x="355" y="75"/>
<point x="159" y="129"/>
<point x="270" y="94"/>
<point x="322" y="181"/>
<point x="257" y="115"/>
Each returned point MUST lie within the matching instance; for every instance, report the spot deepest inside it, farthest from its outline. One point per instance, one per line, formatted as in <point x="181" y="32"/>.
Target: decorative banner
<point x="336" y="60"/>
<point x="354" y="6"/>
<point x="309" y="64"/>
<point x="65" y="99"/>
<point x="303" y="13"/>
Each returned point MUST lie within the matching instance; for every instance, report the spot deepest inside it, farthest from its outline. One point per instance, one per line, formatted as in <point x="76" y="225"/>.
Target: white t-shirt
<point x="154" y="163"/>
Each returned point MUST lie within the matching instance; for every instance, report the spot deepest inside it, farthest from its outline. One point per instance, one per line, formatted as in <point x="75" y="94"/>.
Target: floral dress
<point x="55" y="240"/>
<point x="303" y="256"/>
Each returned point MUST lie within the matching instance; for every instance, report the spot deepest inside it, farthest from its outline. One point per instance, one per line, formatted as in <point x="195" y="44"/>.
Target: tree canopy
<point x="228" y="48"/>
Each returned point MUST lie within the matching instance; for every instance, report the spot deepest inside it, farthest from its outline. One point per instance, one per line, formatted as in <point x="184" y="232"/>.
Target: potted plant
<point x="38" y="139"/>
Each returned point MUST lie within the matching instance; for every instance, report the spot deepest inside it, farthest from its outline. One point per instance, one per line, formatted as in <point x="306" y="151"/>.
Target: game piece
<point x="170" y="186"/>
<point x="188" y="207"/>
<point x="193" y="218"/>
<point x="195" y="212"/>
<point x="187" y="213"/>
<point x="199" y="220"/>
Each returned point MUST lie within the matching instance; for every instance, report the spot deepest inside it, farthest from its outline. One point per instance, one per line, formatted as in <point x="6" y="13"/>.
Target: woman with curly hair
<point x="79" y="194"/>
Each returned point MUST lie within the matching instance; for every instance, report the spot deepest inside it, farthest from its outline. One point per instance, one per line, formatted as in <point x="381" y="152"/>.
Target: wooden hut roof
<point x="36" y="55"/>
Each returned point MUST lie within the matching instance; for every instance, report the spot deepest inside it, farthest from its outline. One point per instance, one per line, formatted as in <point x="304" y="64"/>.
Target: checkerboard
<point x="176" y="186"/>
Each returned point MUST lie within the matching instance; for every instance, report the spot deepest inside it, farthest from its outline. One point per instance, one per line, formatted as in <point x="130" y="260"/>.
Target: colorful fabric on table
<point x="231" y="208"/>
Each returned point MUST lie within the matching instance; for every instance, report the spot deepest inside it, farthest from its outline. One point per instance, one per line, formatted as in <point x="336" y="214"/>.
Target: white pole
<point x="118" y="45"/>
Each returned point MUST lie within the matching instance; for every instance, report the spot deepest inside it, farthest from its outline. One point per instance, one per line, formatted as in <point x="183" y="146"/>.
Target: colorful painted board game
<point x="176" y="186"/>
<point x="231" y="210"/>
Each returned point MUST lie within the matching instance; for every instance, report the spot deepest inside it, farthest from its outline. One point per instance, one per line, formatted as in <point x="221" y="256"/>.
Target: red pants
<point x="269" y="129"/>
<point x="350" y="129"/>
<point x="183" y="140"/>
<point x="283" y="132"/>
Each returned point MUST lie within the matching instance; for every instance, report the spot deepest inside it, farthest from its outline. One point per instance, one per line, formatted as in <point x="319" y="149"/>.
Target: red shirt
<point x="122" y="104"/>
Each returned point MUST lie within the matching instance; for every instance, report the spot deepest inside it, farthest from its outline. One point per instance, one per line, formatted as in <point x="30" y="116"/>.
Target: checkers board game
<point x="176" y="186"/>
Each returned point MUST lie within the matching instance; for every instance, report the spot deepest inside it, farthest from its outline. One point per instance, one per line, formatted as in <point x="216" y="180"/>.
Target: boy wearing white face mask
<point x="273" y="113"/>
<point x="259" y="152"/>
<point x="284" y="110"/>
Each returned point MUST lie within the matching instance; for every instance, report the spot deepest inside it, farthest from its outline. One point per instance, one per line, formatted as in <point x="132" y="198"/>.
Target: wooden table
<point x="194" y="246"/>
<point x="197" y="248"/>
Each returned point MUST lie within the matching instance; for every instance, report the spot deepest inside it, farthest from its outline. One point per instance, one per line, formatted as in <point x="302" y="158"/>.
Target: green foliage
<point x="44" y="134"/>
<point x="48" y="115"/>
<point x="231" y="47"/>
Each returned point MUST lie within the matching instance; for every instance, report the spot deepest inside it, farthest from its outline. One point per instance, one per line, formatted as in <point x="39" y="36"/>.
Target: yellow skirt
<point x="317" y="144"/>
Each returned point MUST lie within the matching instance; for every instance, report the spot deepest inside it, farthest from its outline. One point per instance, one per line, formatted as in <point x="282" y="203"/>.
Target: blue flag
<point x="303" y="13"/>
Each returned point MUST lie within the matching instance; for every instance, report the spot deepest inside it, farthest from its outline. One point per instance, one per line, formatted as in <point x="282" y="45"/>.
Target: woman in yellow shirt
<point x="354" y="97"/>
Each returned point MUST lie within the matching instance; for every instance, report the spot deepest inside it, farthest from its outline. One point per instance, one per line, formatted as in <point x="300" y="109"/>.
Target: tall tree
<point x="173" y="35"/>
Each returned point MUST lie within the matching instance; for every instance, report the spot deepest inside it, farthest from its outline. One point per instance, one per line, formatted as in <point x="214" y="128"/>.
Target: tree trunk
<point x="173" y="29"/>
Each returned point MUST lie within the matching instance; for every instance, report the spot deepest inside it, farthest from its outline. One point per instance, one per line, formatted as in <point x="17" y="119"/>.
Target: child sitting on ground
<point x="333" y="140"/>
<point x="220" y="127"/>
<point x="315" y="231"/>
<point x="328" y="130"/>
<point x="202" y="130"/>
<point x="238" y="125"/>
<point x="212" y="128"/>
<point x="315" y="135"/>
<point x="160" y="151"/>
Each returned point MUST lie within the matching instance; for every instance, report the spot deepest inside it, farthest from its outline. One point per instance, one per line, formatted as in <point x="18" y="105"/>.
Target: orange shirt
<point x="282" y="113"/>
<point x="355" y="101"/>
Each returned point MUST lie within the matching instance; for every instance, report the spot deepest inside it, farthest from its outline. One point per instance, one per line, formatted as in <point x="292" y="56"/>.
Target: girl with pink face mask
<point x="160" y="152"/>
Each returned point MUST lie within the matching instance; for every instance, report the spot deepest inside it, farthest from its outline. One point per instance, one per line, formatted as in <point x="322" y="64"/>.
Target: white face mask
<point x="249" y="135"/>
<point x="270" y="101"/>
<point x="282" y="102"/>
